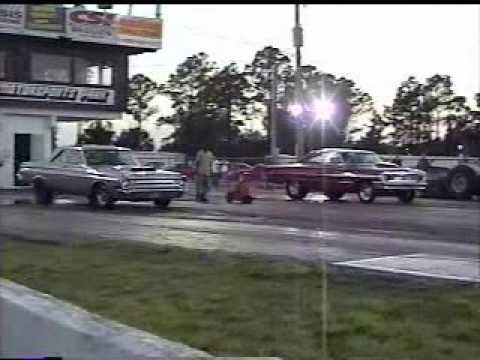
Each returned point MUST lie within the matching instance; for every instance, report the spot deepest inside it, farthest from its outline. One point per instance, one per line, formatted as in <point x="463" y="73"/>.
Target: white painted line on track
<point x="422" y="265"/>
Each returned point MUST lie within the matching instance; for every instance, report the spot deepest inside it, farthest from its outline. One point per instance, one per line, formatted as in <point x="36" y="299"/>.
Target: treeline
<point x="216" y="106"/>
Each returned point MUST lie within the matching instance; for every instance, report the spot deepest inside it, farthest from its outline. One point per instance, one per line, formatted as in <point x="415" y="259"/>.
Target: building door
<point x="22" y="152"/>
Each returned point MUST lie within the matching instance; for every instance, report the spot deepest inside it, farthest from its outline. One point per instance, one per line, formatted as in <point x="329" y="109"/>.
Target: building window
<point x="3" y="60"/>
<point x="51" y="68"/>
<point x="93" y="72"/>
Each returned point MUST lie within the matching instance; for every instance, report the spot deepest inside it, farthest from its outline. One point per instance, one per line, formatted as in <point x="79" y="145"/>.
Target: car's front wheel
<point x="162" y="203"/>
<point x="101" y="197"/>
<point x="407" y="196"/>
<point x="366" y="192"/>
<point x="295" y="190"/>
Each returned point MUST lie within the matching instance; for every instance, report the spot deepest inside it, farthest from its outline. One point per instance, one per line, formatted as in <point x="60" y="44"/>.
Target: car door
<point x="75" y="178"/>
<point x="315" y="171"/>
<point x="332" y="166"/>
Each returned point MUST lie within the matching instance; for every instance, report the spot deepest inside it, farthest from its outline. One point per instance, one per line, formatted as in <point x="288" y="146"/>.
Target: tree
<point x="210" y="105"/>
<point x="420" y="112"/>
<point x="260" y="73"/>
<point x="141" y="91"/>
<point x="136" y="139"/>
<point x="405" y="115"/>
<point x="98" y="132"/>
<point x="229" y="95"/>
<point x="374" y="138"/>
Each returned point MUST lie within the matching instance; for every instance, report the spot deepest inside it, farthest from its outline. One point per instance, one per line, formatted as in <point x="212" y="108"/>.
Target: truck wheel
<point x="460" y="184"/>
<point x="161" y="203"/>
<point x="407" y="196"/>
<point x="101" y="197"/>
<point x="43" y="196"/>
<point x="295" y="190"/>
<point x="366" y="192"/>
<point x="334" y="196"/>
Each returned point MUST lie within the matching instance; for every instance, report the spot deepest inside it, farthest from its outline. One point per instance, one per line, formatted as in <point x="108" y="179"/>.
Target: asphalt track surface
<point x="311" y="230"/>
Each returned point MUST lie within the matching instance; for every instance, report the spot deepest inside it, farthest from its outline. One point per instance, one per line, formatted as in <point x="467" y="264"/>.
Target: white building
<point x="59" y="64"/>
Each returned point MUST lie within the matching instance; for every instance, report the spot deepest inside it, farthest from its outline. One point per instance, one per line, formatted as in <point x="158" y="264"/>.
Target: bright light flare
<point x="324" y="109"/>
<point x="295" y="109"/>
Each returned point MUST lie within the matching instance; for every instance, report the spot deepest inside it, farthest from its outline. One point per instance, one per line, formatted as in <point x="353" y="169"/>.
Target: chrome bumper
<point x="148" y="195"/>
<point x="399" y="185"/>
<point x="148" y="189"/>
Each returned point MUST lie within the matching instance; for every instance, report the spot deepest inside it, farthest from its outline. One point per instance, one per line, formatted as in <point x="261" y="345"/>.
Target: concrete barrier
<point x="33" y="324"/>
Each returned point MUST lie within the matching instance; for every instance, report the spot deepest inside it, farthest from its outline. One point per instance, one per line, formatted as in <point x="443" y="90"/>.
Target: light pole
<point x="273" y="115"/>
<point x="298" y="43"/>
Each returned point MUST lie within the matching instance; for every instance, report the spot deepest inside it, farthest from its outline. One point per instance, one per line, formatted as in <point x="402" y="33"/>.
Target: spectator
<point x="423" y="163"/>
<point x="203" y="171"/>
<point x="397" y="160"/>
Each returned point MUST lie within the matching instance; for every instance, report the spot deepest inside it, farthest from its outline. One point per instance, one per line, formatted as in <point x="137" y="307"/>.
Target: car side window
<point x="318" y="158"/>
<point x="333" y="158"/>
<point x="59" y="159"/>
<point x="73" y="157"/>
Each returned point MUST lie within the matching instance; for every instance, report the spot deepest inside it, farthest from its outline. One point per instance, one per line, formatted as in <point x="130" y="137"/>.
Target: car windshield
<point x="361" y="158"/>
<point x="110" y="157"/>
<point x="318" y="157"/>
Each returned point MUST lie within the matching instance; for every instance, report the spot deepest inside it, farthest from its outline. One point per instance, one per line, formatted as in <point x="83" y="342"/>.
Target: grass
<point x="251" y="306"/>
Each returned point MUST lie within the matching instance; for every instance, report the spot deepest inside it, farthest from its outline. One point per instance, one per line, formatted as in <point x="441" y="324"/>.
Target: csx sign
<point x="93" y="26"/>
<point x="92" y="18"/>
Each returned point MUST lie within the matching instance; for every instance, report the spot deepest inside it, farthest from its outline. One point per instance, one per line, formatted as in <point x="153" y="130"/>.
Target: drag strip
<point x="58" y="223"/>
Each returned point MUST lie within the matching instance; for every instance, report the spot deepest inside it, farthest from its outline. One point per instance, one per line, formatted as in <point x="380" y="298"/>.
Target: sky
<point x="377" y="46"/>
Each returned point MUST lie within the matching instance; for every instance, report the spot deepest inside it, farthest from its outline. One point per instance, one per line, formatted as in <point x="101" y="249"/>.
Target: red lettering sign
<point x="92" y="18"/>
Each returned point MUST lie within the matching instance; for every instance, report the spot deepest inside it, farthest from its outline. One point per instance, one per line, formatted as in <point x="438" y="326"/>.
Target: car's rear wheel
<point x="366" y="192"/>
<point x="229" y="197"/>
<point x="460" y="183"/>
<point x="406" y="196"/>
<point x="162" y="203"/>
<point x="295" y="190"/>
<point x="43" y="196"/>
<point x="334" y="196"/>
<point x="101" y="197"/>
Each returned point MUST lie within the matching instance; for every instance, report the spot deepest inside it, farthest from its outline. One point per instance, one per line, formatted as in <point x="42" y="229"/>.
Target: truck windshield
<point x="110" y="157"/>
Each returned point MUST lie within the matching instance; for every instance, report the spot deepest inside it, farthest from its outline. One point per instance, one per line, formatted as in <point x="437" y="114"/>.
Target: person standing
<point x="423" y="163"/>
<point x="203" y="171"/>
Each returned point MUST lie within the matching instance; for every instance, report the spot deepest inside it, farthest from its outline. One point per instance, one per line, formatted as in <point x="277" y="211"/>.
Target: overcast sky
<point x="377" y="46"/>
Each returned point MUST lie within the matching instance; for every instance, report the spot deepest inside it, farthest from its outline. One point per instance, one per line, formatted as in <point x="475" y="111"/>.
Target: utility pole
<point x="130" y="9"/>
<point x="273" y="115"/>
<point x="298" y="43"/>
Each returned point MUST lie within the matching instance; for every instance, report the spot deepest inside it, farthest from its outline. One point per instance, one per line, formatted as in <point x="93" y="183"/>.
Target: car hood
<point x="132" y="172"/>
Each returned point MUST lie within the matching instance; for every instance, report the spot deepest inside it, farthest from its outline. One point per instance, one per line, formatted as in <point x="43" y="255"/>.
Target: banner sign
<point x="92" y="26"/>
<point x="12" y="18"/>
<point x="50" y="18"/>
<point x="136" y="30"/>
<point x="56" y="93"/>
<point x="80" y="24"/>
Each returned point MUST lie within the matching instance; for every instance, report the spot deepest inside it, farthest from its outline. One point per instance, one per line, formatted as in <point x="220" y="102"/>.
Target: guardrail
<point x="441" y="161"/>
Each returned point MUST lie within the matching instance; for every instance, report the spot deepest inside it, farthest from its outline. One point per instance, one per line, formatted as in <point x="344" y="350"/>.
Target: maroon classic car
<point x="336" y="172"/>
